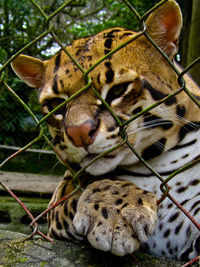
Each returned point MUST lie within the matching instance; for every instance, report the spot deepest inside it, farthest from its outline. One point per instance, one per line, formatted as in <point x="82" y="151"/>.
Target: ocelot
<point x="117" y="211"/>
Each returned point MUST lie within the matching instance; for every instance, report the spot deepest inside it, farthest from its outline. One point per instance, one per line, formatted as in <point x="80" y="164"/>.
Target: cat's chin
<point x="102" y="165"/>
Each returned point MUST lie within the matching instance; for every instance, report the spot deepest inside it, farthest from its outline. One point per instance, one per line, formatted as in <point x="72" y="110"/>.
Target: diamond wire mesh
<point x="88" y="84"/>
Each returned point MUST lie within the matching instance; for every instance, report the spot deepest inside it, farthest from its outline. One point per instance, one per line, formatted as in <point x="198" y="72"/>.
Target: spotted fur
<point x="118" y="212"/>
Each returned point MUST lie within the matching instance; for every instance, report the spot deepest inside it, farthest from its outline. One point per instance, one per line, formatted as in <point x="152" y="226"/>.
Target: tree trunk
<point x="194" y="41"/>
<point x="186" y="7"/>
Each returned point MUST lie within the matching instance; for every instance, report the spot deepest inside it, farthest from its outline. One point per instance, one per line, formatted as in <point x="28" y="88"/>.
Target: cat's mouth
<point x="91" y="158"/>
<point x="97" y="164"/>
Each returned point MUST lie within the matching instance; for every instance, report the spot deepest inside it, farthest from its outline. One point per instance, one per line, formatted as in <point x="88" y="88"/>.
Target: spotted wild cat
<point x="118" y="211"/>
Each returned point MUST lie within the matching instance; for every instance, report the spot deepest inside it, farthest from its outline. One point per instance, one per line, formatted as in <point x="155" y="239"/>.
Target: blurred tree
<point x="194" y="40"/>
<point x="190" y="41"/>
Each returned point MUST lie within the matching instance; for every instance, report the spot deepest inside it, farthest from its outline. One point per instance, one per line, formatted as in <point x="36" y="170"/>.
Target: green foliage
<point x="17" y="127"/>
<point x="114" y="14"/>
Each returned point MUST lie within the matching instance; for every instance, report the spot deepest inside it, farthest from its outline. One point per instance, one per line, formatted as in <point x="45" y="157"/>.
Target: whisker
<point x="159" y="145"/>
<point x="157" y="122"/>
<point x="144" y="127"/>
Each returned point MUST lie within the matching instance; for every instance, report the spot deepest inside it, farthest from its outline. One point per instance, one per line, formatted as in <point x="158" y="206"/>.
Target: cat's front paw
<point x="116" y="216"/>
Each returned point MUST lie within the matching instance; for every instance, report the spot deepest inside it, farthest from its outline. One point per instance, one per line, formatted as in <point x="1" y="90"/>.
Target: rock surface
<point x="39" y="253"/>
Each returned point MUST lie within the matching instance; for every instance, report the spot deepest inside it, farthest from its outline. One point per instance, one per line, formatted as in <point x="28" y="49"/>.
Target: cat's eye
<point x="55" y="102"/>
<point x="116" y="91"/>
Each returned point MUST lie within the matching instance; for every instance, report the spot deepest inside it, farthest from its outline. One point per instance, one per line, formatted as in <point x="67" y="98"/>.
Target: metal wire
<point x="86" y="73"/>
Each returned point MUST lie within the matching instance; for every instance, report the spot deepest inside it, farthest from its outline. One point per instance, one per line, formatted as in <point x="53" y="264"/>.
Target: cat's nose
<point x="82" y="135"/>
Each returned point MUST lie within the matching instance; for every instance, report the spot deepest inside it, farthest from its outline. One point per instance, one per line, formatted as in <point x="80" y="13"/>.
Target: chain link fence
<point x="88" y="84"/>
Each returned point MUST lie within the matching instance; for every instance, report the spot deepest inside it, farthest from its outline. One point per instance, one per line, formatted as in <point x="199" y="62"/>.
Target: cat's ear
<point x="164" y="26"/>
<point x="30" y="70"/>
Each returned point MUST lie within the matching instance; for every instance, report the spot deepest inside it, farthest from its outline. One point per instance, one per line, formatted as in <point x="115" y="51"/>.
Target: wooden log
<point x="29" y="183"/>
